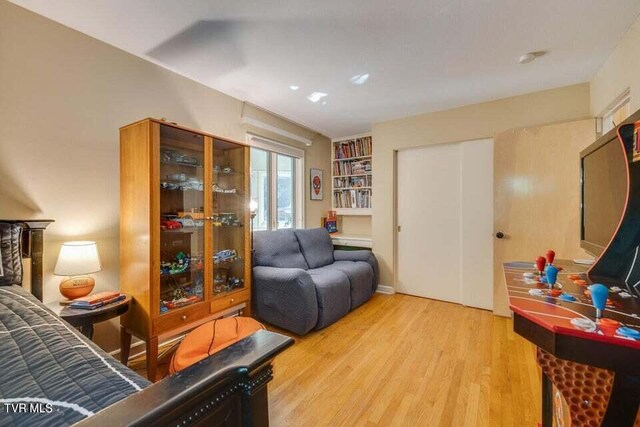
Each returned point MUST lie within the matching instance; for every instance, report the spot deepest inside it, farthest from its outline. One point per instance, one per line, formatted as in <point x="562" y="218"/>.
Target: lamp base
<point x="77" y="286"/>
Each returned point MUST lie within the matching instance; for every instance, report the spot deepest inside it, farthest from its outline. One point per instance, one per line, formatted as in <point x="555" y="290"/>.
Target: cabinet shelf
<point x="189" y="165"/>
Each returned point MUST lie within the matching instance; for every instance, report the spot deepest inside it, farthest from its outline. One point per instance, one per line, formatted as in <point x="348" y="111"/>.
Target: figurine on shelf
<point x="168" y="224"/>
<point x="180" y="264"/>
<point x="187" y="160"/>
<point x="225" y="255"/>
<point x="234" y="283"/>
<point x="220" y="280"/>
<point x="226" y="219"/>
<point x="172" y="156"/>
<point x="219" y="169"/>
<point x="163" y="307"/>
<point x="181" y="302"/>
<point x="218" y="189"/>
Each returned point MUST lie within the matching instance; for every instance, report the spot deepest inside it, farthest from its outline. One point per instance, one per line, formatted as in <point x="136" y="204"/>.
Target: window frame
<point x="274" y="148"/>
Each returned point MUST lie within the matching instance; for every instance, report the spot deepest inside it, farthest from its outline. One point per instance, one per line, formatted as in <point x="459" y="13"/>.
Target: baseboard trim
<point x="116" y="353"/>
<point x="384" y="289"/>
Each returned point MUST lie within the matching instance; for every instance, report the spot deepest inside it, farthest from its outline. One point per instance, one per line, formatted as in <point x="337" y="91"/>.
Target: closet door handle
<point x="499" y="235"/>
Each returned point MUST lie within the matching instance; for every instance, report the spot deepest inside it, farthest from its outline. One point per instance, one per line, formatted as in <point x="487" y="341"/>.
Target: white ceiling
<point x="421" y="55"/>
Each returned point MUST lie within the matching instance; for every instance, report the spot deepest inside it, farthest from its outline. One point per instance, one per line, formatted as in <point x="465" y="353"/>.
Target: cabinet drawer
<point x="230" y="300"/>
<point x="180" y="318"/>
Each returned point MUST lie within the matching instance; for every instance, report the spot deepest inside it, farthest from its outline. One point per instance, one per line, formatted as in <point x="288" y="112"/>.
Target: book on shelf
<point x="98" y="300"/>
<point x="358" y="198"/>
<point x="354" y="167"/>
<point x="359" y="147"/>
<point x="349" y="182"/>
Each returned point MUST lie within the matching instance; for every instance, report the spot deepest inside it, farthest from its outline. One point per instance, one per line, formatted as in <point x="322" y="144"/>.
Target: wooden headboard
<point x="33" y="248"/>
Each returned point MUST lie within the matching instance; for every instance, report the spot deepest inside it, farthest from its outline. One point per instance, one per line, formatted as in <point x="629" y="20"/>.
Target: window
<point x="277" y="189"/>
<point x="616" y="112"/>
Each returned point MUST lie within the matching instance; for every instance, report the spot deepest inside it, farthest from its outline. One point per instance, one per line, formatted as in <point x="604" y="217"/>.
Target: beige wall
<point x="618" y="73"/>
<point x="63" y="96"/>
<point x="460" y="124"/>
<point x="355" y="225"/>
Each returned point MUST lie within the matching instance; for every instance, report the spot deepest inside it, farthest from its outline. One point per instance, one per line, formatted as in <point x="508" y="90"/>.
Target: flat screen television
<point x="604" y="192"/>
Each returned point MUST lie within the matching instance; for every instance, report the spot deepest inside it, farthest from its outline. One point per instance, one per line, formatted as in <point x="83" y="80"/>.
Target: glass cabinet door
<point x="182" y="218"/>
<point x="230" y="194"/>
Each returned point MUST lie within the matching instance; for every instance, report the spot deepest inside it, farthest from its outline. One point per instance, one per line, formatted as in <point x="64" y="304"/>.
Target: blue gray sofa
<point x="301" y="282"/>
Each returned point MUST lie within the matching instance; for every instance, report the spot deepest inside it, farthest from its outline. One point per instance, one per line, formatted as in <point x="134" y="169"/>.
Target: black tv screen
<point x="604" y="191"/>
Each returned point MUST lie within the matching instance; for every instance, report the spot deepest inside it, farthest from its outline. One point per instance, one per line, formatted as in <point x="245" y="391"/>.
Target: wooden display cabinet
<point x="184" y="231"/>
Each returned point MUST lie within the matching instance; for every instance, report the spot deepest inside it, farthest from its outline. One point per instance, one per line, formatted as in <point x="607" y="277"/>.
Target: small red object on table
<point x="541" y="262"/>
<point x="551" y="255"/>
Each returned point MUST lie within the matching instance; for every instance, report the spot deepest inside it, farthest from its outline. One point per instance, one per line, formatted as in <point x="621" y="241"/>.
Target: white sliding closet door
<point x="445" y="222"/>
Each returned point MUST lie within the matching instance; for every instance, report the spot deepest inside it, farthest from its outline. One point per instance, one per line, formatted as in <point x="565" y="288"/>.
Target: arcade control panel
<point x="558" y="295"/>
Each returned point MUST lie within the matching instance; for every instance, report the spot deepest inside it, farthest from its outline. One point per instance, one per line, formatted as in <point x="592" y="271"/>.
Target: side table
<point x="84" y="320"/>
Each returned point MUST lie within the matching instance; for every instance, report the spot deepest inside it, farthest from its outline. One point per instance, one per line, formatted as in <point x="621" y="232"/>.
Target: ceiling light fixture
<point x="530" y="57"/>
<point x="359" y="79"/>
<point x="294" y="87"/>
<point x="316" y="96"/>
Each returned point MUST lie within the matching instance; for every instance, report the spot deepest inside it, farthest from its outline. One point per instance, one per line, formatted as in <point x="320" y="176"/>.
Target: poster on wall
<point x="316" y="184"/>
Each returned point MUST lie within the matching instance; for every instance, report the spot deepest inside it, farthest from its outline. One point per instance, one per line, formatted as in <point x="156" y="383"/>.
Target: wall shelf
<point x="352" y="180"/>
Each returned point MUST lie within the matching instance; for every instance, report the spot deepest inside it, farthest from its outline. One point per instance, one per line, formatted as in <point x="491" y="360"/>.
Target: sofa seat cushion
<point x="333" y="291"/>
<point x="279" y="249"/>
<point x="316" y="246"/>
<point x="360" y="276"/>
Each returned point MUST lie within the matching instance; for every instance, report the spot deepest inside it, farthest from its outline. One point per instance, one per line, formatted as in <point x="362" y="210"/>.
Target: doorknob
<point x="499" y="235"/>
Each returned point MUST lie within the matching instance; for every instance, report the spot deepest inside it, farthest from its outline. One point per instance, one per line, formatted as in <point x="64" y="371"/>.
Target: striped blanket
<point x="51" y="375"/>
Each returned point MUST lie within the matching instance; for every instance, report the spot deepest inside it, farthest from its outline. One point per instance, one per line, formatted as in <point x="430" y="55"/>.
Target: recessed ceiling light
<point x="324" y="102"/>
<point x="316" y="96"/>
<point x="359" y="79"/>
<point x="294" y="87"/>
<point x="530" y="56"/>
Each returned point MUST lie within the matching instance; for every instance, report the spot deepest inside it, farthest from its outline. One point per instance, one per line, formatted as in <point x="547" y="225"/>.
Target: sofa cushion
<point x="361" y="255"/>
<point x="278" y="249"/>
<point x="360" y="276"/>
<point x="316" y="246"/>
<point x="333" y="292"/>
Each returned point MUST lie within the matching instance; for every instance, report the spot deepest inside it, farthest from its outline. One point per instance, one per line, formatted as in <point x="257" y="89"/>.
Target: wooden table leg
<point x="125" y="345"/>
<point x="152" y="358"/>
<point x="86" y="329"/>
<point x="246" y="311"/>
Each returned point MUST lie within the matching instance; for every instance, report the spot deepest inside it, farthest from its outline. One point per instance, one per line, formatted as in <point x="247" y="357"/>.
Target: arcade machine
<point x="585" y="320"/>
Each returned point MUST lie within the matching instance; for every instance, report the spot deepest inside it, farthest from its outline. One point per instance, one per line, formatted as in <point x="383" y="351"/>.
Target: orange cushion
<point x="210" y="338"/>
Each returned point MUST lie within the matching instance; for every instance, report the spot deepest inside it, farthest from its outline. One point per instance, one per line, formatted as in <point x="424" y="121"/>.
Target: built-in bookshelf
<point x="352" y="182"/>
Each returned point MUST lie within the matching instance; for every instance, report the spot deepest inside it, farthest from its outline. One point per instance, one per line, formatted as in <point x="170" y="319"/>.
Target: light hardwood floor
<point x="402" y="360"/>
<point x="406" y="361"/>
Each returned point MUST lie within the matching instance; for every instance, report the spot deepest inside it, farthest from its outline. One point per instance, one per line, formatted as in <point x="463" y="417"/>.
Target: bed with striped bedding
<point x="51" y="375"/>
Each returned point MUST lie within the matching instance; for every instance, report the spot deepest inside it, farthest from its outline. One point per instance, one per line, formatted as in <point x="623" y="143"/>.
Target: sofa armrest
<point x="362" y="255"/>
<point x="285" y="297"/>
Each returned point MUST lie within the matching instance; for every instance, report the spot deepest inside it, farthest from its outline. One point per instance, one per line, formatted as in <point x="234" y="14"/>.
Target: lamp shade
<point x="78" y="258"/>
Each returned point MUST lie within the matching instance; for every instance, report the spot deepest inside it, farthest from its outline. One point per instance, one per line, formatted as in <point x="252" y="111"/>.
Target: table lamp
<point x="76" y="260"/>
